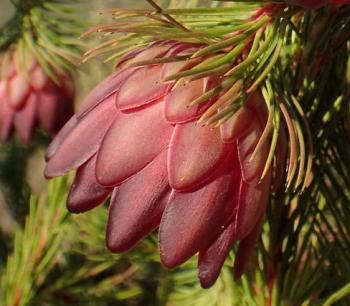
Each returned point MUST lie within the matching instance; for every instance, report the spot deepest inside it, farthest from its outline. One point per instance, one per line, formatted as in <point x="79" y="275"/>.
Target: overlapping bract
<point x="29" y="98"/>
<point x="136" y="138"/>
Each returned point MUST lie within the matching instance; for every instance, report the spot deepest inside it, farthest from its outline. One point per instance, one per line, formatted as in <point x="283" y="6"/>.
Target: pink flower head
<point x="29" y="98"/>
<point x="138" y="139"/>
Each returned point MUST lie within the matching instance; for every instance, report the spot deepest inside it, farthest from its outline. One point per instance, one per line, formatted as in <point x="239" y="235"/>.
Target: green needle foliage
<point x="35" y="247"/>
<point x="60" y="260"/>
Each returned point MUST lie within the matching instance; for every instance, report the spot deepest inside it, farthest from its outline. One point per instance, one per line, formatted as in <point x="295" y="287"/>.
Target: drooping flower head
<point x="137" y="139"/>
<point x="37" y="55"/>
<point x="29" y="98"/>
<point x="184" y="137"/>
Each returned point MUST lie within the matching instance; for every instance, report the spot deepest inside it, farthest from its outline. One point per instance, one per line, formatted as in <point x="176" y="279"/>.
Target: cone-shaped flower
<point x="29" y="98"/>
<point x="138" y="139"/>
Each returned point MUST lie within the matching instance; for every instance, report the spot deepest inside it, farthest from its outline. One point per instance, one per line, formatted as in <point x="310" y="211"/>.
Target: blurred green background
<point x="6" y="10"/>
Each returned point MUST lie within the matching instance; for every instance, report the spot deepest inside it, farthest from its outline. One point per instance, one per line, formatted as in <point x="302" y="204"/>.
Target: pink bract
<point x="138" y="139"/>
<point x="30" y="99"/>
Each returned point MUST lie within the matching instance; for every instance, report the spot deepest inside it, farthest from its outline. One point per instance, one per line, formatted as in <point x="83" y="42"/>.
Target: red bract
<point x="138" y="139"/>
<point x="29" y="98"/>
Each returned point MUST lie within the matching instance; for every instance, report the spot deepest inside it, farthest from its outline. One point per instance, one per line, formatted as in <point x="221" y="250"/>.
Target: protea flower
<point x="140" y="140"/>
<point x="30" y="98"/>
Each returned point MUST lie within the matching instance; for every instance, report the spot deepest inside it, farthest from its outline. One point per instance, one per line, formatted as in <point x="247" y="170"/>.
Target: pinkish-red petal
<point x="175" y="67"/>
<point x="10" y="70"/>
<point x="48" y="109"/>
<point x="252" y="204"/>
<point x="211" y="260"/>
<point x="245" y="249"/>
<point x="31" y="63"/>
<point x="38" y="78"/>
<point x="124" y="60"/>
<point x="85" y="193"/>
<point x="3" y="90"/>
<point x="144" y="86"/>
<point x="192" y="220"/>
<point x="195" y="153"/>
<point x="103" y="90"/>
<point x="59" y="138"/>
<point x="236" y="125"/>
<point x="177" y="102"/>
<point x="83" y="140"/>
<point x="19" y="89"/>
<point x="246" y="145"/>
<point x="6" y="115"/>
<point x="25" y="118"/>
<point x="151" y="52"/>
<point x="137" y="206"/>
<point x="132" y="142"/>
